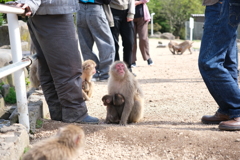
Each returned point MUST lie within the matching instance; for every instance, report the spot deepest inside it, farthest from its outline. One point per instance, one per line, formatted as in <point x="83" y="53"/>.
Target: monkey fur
<point x="65" y="145"/>
<point x="89" y="70"/>
<point x="115" y="106"/>
<point x="121" y="81"/>
<point x="180" y="48"/>
<point x="33" y="74"/>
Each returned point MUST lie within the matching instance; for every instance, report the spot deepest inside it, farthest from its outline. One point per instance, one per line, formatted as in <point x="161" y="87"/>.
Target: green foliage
<point x="156" y="27"/>
<point x="26" y="149"/>
<point x="11" y="96"/>
<point x="4" y="1"/>
<point x="27" y="81"/>
<point x="39" y="123"/>
<point x="1" y="84"/>
<point x="1" y="19"/>
<point x="172" y="14"/>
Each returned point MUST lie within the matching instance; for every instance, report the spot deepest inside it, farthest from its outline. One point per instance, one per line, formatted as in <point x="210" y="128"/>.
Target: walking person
<point x="53" y="34"/>
<point x="218" y="61"/>
<point x="141" y="19"/>
<point x="93" y="26"/>
<point x="123" y="13"/>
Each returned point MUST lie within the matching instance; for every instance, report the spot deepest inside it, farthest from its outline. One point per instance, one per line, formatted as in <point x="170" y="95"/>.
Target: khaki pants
<point x="141" y="28"/>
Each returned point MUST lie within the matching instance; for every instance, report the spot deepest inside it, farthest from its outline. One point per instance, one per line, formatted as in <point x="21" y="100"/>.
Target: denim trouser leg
<point x="218" y="55"/>
<point x="93" y="27"/>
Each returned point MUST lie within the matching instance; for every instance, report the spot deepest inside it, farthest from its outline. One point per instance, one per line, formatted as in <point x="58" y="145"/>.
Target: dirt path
<point x="176" y="99"/>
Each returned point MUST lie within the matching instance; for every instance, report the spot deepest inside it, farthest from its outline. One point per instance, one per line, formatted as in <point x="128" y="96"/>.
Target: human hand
<point x="137" y="3"/>
<point x="27" y="9"/>
<point x="129" y="19"/>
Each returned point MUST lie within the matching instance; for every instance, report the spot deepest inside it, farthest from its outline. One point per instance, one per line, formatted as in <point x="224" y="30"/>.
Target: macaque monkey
<point x="65" y="145"/>
<point x="89" y="70"/>
<point x="121" y="81"/>
<point x="33" y="74"/>
<point x="170" y="46"/>
<point x="115" y="106"/>
<point x="181" y="48"/>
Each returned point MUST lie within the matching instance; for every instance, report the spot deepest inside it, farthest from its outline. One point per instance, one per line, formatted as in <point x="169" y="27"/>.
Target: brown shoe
<point x="231" y="125"/>
<point x="215" y="119"/>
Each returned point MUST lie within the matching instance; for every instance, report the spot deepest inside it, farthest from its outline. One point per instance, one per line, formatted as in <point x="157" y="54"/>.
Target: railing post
<point x="19" y="76"/>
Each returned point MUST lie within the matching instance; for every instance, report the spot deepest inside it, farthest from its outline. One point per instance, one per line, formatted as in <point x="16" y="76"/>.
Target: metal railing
<point x="18" y="65"/>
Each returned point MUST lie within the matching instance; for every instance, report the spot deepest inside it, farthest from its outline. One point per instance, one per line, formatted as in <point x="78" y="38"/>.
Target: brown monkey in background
<point x="121" y="81"/>
<point x="89" y="70"/>
<point x="65" y="145"/>
<point x="180" y="48"/>
<point x="115" y="106"/>
<point x="170" y="46"/>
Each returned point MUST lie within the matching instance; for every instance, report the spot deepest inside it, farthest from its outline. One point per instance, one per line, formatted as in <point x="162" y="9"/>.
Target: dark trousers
<point x="126" y="30"/>
<point x="56" y="43"/>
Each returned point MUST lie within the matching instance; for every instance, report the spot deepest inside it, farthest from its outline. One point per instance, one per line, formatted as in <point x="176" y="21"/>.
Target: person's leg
<point x="134" y="52"/>
<point x="46" y="80"/>
<point x="101" y="33"/>
<point x="218" y="57"/>
<point x="57" y="38"/>
<point x="142" y="31"/>
<point x="115" y="30"/>
<point x="127" y="34"/>
<point x="231" y="60"/>
<point x="85" y="36"/>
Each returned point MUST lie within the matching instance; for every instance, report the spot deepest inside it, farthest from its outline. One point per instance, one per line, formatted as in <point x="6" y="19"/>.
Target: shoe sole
<point x="228" y="128"/>
<point x="151" y="64"/>
<point x="89" y="122"/>
<point x="211" y="122"/>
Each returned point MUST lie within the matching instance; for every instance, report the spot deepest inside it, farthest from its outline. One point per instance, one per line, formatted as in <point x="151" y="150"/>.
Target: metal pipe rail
<point x="18" y="66"/>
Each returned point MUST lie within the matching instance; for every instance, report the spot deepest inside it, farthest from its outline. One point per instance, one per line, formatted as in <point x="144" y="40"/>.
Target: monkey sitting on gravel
<point x="115" y="106"/>
<point x="121" y="81"/>
<point x="65" y="145"/>
<point x="89" y="70"/>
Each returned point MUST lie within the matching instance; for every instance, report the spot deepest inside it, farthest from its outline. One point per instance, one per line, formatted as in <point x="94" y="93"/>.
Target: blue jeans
<point x="93" y="27"/>
<point x="218" y="58"/>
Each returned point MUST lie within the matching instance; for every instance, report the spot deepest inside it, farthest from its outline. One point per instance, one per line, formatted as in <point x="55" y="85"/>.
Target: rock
<point x="4" y="122"/>
<point x="24" y="35"/>
<point x="167" y="35"/>
<point x="5" y="90"/>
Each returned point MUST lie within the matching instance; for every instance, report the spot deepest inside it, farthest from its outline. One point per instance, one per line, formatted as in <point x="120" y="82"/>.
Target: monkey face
<point x="120" y="68"/>
<point x="89" y="67"/>
<point x="107" y="100"/>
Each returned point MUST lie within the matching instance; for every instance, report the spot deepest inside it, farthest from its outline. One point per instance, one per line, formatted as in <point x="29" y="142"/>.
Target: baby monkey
<point x="65" y="145"/>
<point x="115" y="106"/>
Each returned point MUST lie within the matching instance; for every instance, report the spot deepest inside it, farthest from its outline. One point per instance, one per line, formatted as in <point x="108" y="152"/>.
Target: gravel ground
<point x="176" y="99"/>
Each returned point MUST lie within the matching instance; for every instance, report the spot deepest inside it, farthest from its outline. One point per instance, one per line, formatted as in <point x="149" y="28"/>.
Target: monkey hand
<point x="123" y="123"/>
<point x="85" y="86"/>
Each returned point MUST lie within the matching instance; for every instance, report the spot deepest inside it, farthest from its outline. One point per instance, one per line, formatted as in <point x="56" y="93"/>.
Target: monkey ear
<point x="78" y="139"/>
